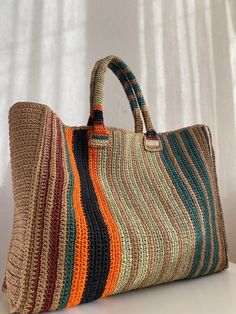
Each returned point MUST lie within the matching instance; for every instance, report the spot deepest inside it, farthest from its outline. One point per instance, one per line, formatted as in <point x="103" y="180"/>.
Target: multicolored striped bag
<point x="101" y="210"/>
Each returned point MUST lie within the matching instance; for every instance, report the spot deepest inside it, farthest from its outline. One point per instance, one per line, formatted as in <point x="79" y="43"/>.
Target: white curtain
<point x="182" y="51"/>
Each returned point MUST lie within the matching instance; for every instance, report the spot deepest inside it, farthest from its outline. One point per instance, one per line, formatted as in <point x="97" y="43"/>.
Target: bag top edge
<point x="44" y="106"/>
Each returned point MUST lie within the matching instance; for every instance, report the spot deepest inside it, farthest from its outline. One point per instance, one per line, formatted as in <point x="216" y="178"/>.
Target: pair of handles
<point x="99" y="133"/>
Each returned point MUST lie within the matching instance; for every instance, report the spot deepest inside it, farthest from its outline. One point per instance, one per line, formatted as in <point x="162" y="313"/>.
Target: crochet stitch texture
<point x="102" y="210"/>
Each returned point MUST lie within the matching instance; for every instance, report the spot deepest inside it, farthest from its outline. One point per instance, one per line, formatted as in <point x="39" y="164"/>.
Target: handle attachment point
<point x="152" y="145"/>
<point x="96" y="140"/>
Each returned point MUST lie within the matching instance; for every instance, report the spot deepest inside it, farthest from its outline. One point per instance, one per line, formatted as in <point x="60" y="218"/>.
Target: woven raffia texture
<point x="93" y="221"/>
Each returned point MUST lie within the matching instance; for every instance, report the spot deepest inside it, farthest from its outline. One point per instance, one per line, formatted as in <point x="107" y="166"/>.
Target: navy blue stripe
<point x="99" y="249"/>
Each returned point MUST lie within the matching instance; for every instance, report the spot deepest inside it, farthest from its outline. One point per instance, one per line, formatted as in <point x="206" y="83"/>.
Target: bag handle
<point x="135" y="97"/>
<point x="99" y="133"/>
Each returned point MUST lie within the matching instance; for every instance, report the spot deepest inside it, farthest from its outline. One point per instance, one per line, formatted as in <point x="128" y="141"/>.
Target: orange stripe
<point x="81" y="240"/>
<point x="97" y="107"/>
<point x="99" y="129"/>
<point x="114" y="236"/>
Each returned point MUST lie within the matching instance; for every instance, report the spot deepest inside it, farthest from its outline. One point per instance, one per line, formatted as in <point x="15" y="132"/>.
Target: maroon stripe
<point x="55" y="225"/>
<point x="41" y="206"/>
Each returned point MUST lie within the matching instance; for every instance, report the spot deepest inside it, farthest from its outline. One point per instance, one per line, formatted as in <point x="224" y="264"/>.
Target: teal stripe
<point x="70" y="236"/>
<point x="133" y="104"/>
<point x="135" y="87"/>
<point x="197" y="189"/>
<point x="187" y="200"/>
<point x="128" y="90"/>
<point x="193" y="152"/>
<point x="137" y="90"/>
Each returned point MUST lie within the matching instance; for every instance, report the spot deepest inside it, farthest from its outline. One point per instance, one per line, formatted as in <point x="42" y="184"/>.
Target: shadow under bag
<point x="101" y="210"/>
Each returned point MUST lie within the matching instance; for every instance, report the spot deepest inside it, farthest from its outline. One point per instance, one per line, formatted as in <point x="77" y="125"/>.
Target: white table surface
<point x="210" y="294"/>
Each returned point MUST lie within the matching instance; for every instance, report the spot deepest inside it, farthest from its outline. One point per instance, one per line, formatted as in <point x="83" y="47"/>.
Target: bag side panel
<point x="25" y="121"/>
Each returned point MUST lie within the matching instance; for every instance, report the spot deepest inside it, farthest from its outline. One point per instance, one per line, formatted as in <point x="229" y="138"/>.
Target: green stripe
<point x="187" y="200"/>
<point x="191" y="147"/>
<point x="99" y="137"/>
<point x="70" y="236"/>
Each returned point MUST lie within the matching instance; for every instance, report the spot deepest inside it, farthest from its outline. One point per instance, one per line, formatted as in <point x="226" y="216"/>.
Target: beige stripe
<point x="24" y="301"/>
<point x="47" y="223"/>
<point x="62" y="233"/>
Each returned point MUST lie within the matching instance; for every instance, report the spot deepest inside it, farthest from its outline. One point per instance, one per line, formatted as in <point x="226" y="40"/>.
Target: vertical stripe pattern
<point x="104" y="220"/>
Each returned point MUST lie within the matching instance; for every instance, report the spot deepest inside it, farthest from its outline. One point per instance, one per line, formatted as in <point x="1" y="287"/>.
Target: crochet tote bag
<point x="101" y="210"/>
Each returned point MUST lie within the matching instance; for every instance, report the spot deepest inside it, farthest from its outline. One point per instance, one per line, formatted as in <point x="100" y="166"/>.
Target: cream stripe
<point x="118" y="210"/>
<point x="158" y="219"/>
<point x="139" y="256"/>
<point x="140" y="202"/>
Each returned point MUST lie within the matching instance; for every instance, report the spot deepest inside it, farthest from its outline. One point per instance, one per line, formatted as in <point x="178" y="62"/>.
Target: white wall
<point x="182" y="51"/>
